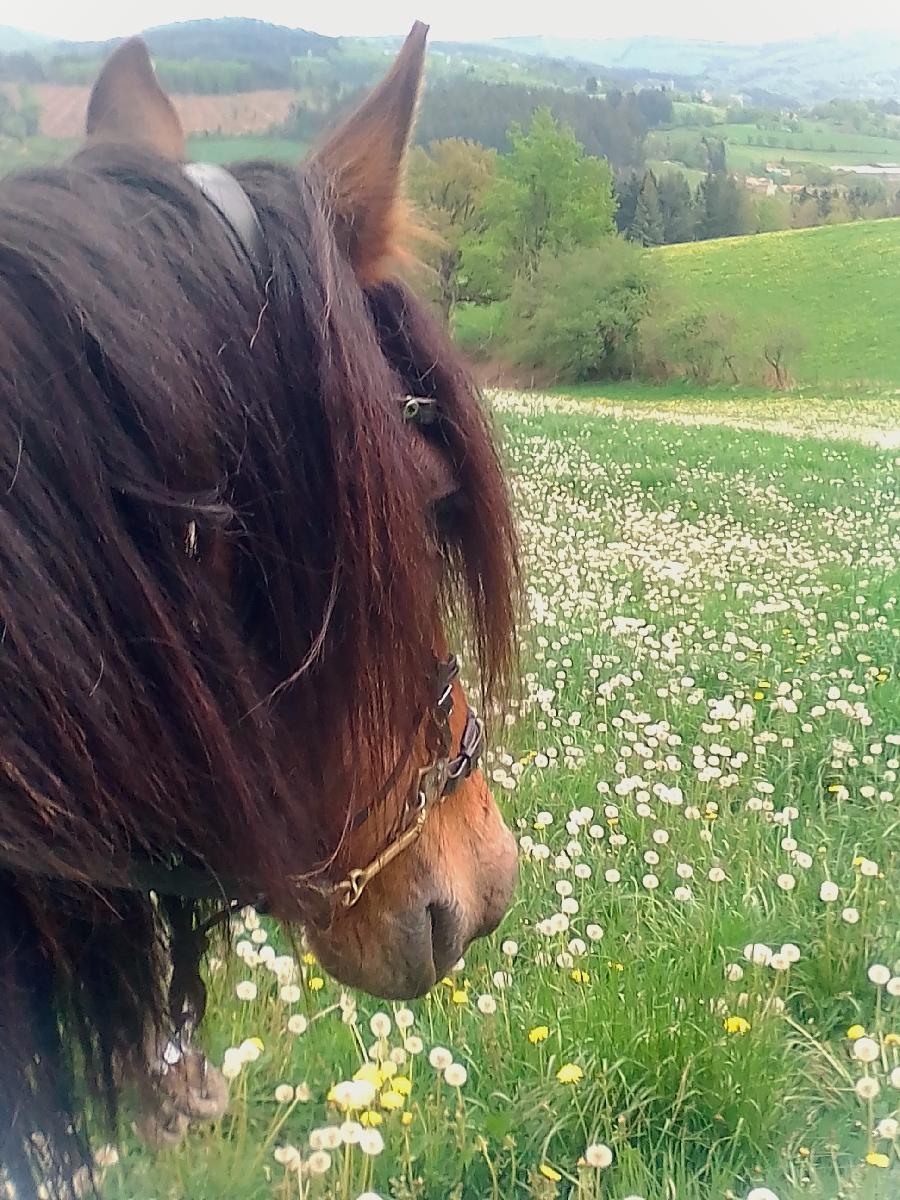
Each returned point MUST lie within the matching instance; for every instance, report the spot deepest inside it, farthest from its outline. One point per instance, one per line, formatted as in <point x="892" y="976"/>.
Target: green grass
<point x="661" y="166"/>
<point x="224" y="150"/>
<point x="710" y="679"/>
<point x="837" y="286"/>
<point x="825" y="143"/>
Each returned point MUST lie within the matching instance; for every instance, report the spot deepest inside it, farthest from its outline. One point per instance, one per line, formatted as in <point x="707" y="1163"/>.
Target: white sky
<point x="723" y="20"/>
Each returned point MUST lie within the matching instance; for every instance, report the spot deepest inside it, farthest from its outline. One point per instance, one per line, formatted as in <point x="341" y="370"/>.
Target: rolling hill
<point x="832" y="289"/>
<point x="864" y="65"/>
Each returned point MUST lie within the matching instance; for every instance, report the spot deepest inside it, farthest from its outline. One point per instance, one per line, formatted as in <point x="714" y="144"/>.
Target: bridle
<point x="434" y="783"/>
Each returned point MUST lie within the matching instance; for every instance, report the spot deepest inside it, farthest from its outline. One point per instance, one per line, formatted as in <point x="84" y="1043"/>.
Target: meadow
<point x="825" y="143"/>
<point x="696" y="994"/>
<point x="833" y="287"/>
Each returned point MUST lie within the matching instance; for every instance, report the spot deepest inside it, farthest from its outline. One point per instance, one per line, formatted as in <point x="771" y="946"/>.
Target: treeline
<point x="662" y="210"/>
<point x="613" y="127"/>
<point x="198" y="75"/>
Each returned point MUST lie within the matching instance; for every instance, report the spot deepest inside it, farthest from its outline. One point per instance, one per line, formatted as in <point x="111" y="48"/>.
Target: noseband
<point x="434" y="783"/>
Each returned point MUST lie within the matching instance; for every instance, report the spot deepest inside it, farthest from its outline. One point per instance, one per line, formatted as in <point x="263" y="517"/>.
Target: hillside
<point x="833" y="289"/>
<point x="15" y="41"/>
<point x="865" y="65"/>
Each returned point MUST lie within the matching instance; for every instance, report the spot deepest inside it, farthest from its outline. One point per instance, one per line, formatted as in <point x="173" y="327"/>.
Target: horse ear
<point x="128" y="105"/>
<point x="364" y="161"/>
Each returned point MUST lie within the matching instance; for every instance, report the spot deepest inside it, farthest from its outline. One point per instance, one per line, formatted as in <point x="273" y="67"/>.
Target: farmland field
<point x="696" y="993"/>
<point x="40" y="151"/>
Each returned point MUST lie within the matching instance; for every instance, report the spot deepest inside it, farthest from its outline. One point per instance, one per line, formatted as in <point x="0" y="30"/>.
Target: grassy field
<point x="703" y="771"/>
<point x="835" y="286"/>
<point x="824" y="143"/>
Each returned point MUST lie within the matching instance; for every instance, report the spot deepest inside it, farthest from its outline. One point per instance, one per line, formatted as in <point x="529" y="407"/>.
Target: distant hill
<point x="861" y="65"/>
<point x="833" y="289"/>
<point x="240" y="38"/>
<point x="15" y="41"/>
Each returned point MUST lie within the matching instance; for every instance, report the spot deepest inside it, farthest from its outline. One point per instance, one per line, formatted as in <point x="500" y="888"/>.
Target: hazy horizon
<point x="769" y="20"/>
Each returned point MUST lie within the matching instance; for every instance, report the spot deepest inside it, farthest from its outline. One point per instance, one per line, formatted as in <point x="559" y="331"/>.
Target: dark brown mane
<point x="212" y="546"/>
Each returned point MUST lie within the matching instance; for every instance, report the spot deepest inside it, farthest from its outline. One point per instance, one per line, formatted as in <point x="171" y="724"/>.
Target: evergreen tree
<point x="647" y="226"/>
<point x="626" y="197"/>
<point x="676" y="203"/>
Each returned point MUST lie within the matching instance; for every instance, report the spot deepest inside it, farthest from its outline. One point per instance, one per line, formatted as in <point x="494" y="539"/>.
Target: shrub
<point x="580" y="317"/>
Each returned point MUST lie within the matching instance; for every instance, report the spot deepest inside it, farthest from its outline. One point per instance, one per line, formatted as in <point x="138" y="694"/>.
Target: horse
<point x="248" y="491"/>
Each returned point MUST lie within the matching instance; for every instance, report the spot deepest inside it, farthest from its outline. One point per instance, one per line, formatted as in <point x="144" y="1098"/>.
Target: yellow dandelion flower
<point x="391" y="1100"/>
<point x="764" y="684"/>
<point x="580" y="976"/>
<point x="874" y="1159"/>
<point x="258" y="1043"/>
<point x="759" y="695"/>
<point x="570" y="1073"/>
<point x="460" y="996"/>
<point x="548" y="1173"/>
<point x="855" y="1032"/>
<point x="892" y="1039"/>
<point x="406" y="1118"/>
<point x="309" y="959"/>
<point x="370" y="1073"/>
<point x="370" y="1117"/>
<point x="617" y="966"/>
<point x="401" y="1084"/>
<point x="736" y="1025"/>
<point x="540" y="1033"/>
<point x="316" y="983"/>
<point x="448" y="982"/>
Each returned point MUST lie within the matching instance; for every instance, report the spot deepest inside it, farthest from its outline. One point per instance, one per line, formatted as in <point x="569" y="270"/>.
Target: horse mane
<point x="214" y="555"/>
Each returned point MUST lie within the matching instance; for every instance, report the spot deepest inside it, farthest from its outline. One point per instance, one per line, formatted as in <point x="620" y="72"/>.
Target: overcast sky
<point x="724" y="20"/>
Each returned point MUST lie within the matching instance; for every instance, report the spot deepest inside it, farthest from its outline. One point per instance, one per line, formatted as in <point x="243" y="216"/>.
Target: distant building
<point x="888" y="171"/>
<point x="764" y="187"/>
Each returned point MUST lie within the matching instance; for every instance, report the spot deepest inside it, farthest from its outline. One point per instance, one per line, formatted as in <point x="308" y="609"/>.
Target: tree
<point x="591" y="86"/>
<point x="549" y="197"/>
<point x="716" y="155"/>
<point x="627" y="190"/>
<point x="773" y="213"/>
<point x="726" y="209"/>
<point x="647" y="224"/>
<point x="782" y="344"/>
<point x="700" y="344"/>
<point x="580" y="317"/>
<point x="447" y="184"/>
<point x="676" y="204"/>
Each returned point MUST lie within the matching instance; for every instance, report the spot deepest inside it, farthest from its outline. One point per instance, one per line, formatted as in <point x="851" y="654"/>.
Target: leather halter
<point x="434" y="783"/>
